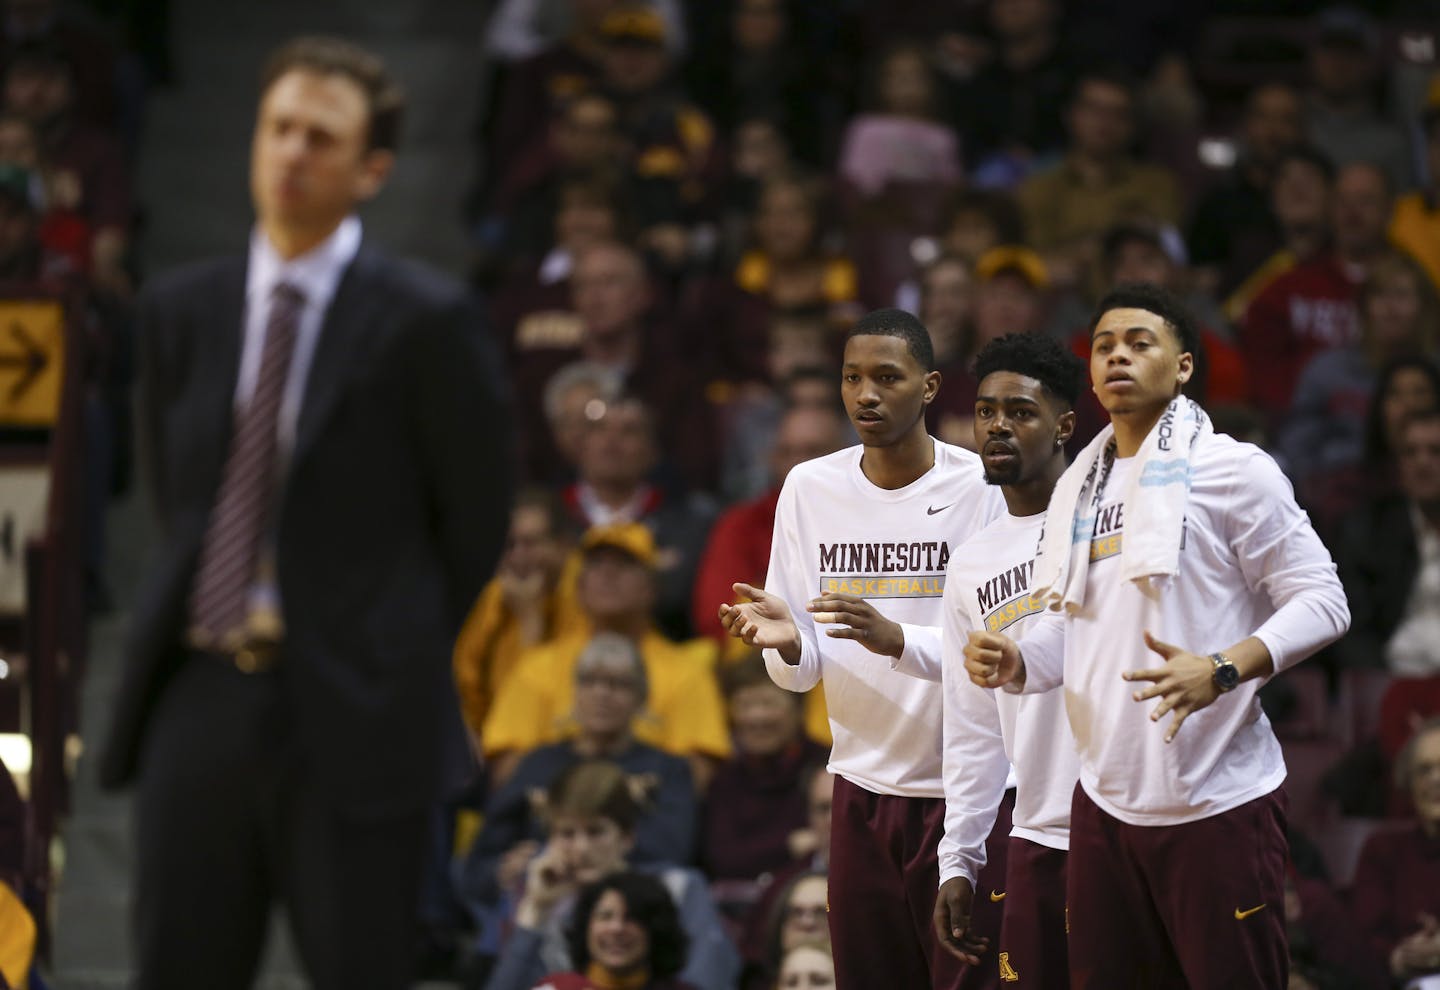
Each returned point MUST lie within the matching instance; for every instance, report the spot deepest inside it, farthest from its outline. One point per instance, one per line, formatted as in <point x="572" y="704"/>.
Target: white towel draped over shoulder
<point x="1154" y="507"/>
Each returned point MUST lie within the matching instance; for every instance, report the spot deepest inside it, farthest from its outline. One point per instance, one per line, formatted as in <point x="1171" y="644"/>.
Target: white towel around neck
<point x="1155" y="501"/>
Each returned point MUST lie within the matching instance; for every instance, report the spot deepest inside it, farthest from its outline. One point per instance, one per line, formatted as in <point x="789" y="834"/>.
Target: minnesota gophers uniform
<point x="1194" y="828"/>
<point x="986" y="732"/>
<point x="836" y="531"/>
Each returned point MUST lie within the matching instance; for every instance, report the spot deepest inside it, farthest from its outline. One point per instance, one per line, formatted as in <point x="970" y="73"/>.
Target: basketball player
<point x="1178" y="557"/>
<point x="1024" y="414"/>
<point x="875" y="522"/>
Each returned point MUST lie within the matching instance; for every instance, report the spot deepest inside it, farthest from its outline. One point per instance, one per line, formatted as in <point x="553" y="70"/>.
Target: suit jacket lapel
<point x="219" y="356"/>
<point x="351" y="312"/>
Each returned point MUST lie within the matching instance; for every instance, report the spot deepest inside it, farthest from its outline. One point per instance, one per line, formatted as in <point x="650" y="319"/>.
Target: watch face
<point x="1226" y="676"/>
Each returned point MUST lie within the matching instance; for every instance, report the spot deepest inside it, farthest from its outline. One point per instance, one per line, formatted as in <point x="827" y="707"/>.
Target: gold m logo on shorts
<point x="1007" y="972"/>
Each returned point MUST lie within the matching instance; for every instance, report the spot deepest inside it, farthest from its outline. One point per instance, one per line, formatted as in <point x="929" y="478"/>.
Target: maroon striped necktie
<point x="230" y="553"/>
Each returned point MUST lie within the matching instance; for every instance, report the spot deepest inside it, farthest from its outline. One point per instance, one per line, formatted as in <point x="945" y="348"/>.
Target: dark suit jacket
<point x="390" y="520"/>
<point x="1378" y="559"/>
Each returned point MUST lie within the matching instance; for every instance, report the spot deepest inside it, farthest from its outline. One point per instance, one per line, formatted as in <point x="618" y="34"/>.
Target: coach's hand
<point x="857" y="619"/>
<point x="763" y="621"/>
<point x="952" y="921"/>
<point x="1185" y="684"/>
<point x="993" y="660"/>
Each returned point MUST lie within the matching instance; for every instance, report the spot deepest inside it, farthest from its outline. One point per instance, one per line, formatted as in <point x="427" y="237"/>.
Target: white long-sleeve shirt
<point x="986" y="732"/>
<point x="837" y="531"/>
<point x="1250" y="565"/>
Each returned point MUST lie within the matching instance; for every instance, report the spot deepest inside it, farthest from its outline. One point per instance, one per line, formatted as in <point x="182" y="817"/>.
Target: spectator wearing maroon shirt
<point x="754" y="802"/>
<point x="739" y="544"/>
<point x="87" y="168"/>
<point x="1312" y="307"/>
<point x="1396" y="895"/>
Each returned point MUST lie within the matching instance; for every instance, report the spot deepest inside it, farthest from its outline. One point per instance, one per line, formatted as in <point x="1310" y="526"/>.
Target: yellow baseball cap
<point x="630" y="538"/>
<point x="1013" y="258"/>
<point x="641" y="25"/>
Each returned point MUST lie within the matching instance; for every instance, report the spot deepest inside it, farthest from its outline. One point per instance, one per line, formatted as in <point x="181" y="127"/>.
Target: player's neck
<point x="1131" y="428"/>
<point x="1032" y="497"/>
<point x="598" y="745"/>
<point x="902" y="462"/>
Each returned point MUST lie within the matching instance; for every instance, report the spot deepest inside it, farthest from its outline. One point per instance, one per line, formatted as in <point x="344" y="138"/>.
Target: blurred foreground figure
<point x="322" y="441"/>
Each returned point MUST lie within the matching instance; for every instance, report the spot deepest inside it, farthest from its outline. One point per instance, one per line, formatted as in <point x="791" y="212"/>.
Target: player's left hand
<point x="855" y="618"/>
<point x="1185" y="684"/>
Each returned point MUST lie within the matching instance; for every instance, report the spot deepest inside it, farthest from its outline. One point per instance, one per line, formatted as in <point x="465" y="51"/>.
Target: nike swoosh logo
<point x="1242" y="915"/>
<point x="932" y="511"/>
<point x="994" y="896"/>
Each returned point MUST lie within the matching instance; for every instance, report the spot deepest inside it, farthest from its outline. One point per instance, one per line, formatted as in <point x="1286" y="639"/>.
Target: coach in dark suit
<point x="327" y="452"/>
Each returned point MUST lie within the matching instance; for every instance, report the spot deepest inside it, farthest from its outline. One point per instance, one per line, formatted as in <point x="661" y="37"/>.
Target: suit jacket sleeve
<point x="463" y="431"/>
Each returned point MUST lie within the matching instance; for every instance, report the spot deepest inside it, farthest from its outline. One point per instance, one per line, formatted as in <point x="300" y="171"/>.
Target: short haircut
<point x="607" y="646"/>
<point x="605" y="380"/>
<point x="1036" y="356"/>
<point x="897" y="323"/>
<point x="1153" y="299"/>
<point x="648" y="903"/>
<point x="336" y="57"/>
<point x="593" y="789"/>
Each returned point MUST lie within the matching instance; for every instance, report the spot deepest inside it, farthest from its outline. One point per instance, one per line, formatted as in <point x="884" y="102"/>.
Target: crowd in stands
<point x="683" y="206"/>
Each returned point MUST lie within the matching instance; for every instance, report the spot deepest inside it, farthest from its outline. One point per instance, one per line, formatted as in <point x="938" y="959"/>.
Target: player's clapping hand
<point x="764" y="621"/>
<point x="952" y="921"/>
<point x="852" y="617"/>
<point x="993" y="660"/>
<point x="1184" y="685"/>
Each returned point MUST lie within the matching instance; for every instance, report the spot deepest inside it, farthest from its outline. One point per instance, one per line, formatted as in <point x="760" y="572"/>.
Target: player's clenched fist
<point x="993" y="660"/>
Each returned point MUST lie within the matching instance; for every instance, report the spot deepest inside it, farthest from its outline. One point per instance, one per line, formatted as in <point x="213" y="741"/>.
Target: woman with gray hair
<point x="610" y="693"/>
<point x="1396" y="895"/>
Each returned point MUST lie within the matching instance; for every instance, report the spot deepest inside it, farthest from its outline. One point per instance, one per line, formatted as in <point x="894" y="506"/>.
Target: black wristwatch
<point x="1226" y="676"/>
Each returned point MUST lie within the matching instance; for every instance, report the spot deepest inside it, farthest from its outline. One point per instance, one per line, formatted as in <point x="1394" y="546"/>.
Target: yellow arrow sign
<point x="32" y="362"/>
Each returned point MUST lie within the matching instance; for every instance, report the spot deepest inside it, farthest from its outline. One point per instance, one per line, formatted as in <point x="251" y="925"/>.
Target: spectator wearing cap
<point x="87" y="170"/>
<point x="1311" y="308"/>
<point x="529" y="91"/>
<point x="610" y="693"/>
<point x="1415" y="224"/>
<point x="530" y="600"/>
<point x="619" y="454"/>
<point x="1301" y="203"/>
<point x="617" y="590"/>
<point x="1011" y="295"/>
<point x="675" y="165"/>
<point x="1099" y="183"/>
<point x="1232" y="227"/>
<point x="1340" y="115"/>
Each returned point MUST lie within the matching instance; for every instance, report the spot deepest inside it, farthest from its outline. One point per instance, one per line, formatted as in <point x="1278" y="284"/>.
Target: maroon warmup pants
<point x="883" y="879"/>
<point x="1032" y="948"/>
<point x="1197" y="905"/>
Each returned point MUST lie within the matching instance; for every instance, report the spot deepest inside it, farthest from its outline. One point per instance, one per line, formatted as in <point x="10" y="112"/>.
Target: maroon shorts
<point x="883" y="878"/>
<point x="1032" y="948"/>
<point x="1195" y="905"/>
